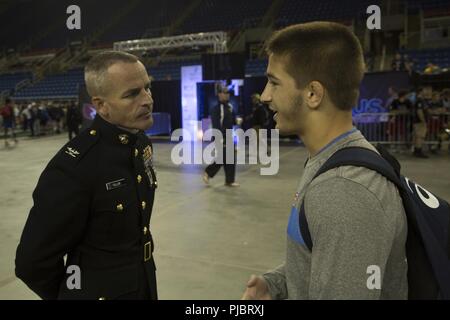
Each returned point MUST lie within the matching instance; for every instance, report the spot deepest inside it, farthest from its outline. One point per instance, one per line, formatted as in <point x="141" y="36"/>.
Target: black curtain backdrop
<point x="205" y="98"/>
<point x="167" y="98"/>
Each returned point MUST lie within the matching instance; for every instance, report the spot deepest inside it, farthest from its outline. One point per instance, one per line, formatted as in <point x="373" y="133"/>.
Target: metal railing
<point x="397" y="128"/>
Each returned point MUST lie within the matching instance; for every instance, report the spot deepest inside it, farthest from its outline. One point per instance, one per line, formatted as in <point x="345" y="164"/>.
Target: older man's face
<point x="127" y="99"/>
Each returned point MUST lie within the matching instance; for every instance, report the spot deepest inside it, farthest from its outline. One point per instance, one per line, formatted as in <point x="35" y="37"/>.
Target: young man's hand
<point x="257" y="289"/>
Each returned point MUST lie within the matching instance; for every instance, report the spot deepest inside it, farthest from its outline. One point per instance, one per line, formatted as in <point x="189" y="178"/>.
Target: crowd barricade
<point x="397" y="128"/>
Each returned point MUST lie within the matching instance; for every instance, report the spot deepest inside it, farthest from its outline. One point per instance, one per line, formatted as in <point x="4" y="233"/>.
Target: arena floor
<point x="209" y="240"/>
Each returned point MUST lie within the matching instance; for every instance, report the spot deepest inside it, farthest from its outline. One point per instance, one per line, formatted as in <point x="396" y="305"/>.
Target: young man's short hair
<point x="327" y="52"/>
<point x="96" y="68"/>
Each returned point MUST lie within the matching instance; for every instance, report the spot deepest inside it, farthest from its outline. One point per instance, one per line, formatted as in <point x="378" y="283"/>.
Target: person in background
<point x="223" y="118"/>
<point x="9" y="121"/>
<point x="398" y="64"/>
<point x="445" y="97"/>
<point x="420" y="124"/>
<point x="54" y="112"/>
<point x="73" y="120"/>
<point x="435" y="121"/>
<point x="24" y="114"/>
<point x="36" y="120"/>
<point x="445" y="135"/>
<point x="260" y="115"/>
<point x="392" y="95"/>
<point x="400" y="111"/>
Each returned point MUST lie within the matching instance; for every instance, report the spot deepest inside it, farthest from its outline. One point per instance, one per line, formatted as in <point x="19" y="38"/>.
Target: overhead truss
<point x="216" y="40"/>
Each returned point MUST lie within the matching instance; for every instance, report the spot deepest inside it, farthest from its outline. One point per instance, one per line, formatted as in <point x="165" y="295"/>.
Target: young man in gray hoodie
<point x="355" y="216"/>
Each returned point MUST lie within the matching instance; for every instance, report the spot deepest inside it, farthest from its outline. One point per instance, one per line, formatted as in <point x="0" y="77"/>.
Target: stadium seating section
<point x="9" y="81"/>
<point x="149" y="18"/>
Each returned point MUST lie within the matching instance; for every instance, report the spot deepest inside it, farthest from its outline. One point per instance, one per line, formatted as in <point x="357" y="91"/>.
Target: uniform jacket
<point x="92" y="206"/>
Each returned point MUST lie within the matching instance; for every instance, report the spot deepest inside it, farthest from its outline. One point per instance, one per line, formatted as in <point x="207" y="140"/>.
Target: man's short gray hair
<point x="96" y="68"/>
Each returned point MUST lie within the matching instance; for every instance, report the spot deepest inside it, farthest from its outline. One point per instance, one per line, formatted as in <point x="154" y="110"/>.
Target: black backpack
<point x="428" y="241"/>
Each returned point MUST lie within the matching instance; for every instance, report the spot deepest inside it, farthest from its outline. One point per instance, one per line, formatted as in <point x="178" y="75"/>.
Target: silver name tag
<point x="115" y="184"/>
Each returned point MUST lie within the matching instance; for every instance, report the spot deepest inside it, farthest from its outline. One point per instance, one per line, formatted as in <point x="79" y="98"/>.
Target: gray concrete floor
<point x="209" y="240"/>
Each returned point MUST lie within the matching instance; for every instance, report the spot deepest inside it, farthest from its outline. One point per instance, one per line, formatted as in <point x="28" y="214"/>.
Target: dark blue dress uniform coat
<point x="92" y="209"/>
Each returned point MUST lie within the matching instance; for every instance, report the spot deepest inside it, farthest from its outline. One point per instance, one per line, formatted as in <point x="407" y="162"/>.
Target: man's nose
<point x="265" y="96"/>
<point x="148" y="98"/>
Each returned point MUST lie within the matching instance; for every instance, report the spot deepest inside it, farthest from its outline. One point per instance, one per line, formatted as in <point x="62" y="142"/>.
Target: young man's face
<point x="127" y="100"/>
<point x="283" y="97"/>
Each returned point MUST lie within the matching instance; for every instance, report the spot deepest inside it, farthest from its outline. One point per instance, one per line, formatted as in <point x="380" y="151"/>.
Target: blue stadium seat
<point x="9" y="81"/>
<point x="55" y="85"/>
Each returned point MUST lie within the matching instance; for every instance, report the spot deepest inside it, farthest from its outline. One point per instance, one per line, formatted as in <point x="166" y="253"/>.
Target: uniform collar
<point x="112" y="133"/>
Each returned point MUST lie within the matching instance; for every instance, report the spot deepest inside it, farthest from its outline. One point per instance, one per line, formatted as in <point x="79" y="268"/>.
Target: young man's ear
<point x="315" y="94"/>
<point x="100" y="106"/>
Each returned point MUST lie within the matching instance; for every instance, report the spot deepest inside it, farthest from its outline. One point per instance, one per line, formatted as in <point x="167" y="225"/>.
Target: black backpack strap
<point x="350" y="156"/>
<point x="361" y="157"/>
<point x="304" y="229"/>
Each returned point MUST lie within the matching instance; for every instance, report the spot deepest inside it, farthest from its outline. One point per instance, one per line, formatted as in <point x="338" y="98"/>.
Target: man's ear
<point x="315" y="92"/>
<point x="100" y="106"/>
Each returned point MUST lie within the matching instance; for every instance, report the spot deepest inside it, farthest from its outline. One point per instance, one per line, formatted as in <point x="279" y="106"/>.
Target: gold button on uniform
<point x="143" y="204"/>
<point x="136" y="152"/>
<point x="145" y="230"/>
<point x="119" y="207"/>
<point x="93" y="132"/>
<point x="123" y="139"/>
<point x="139" y="178"/>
